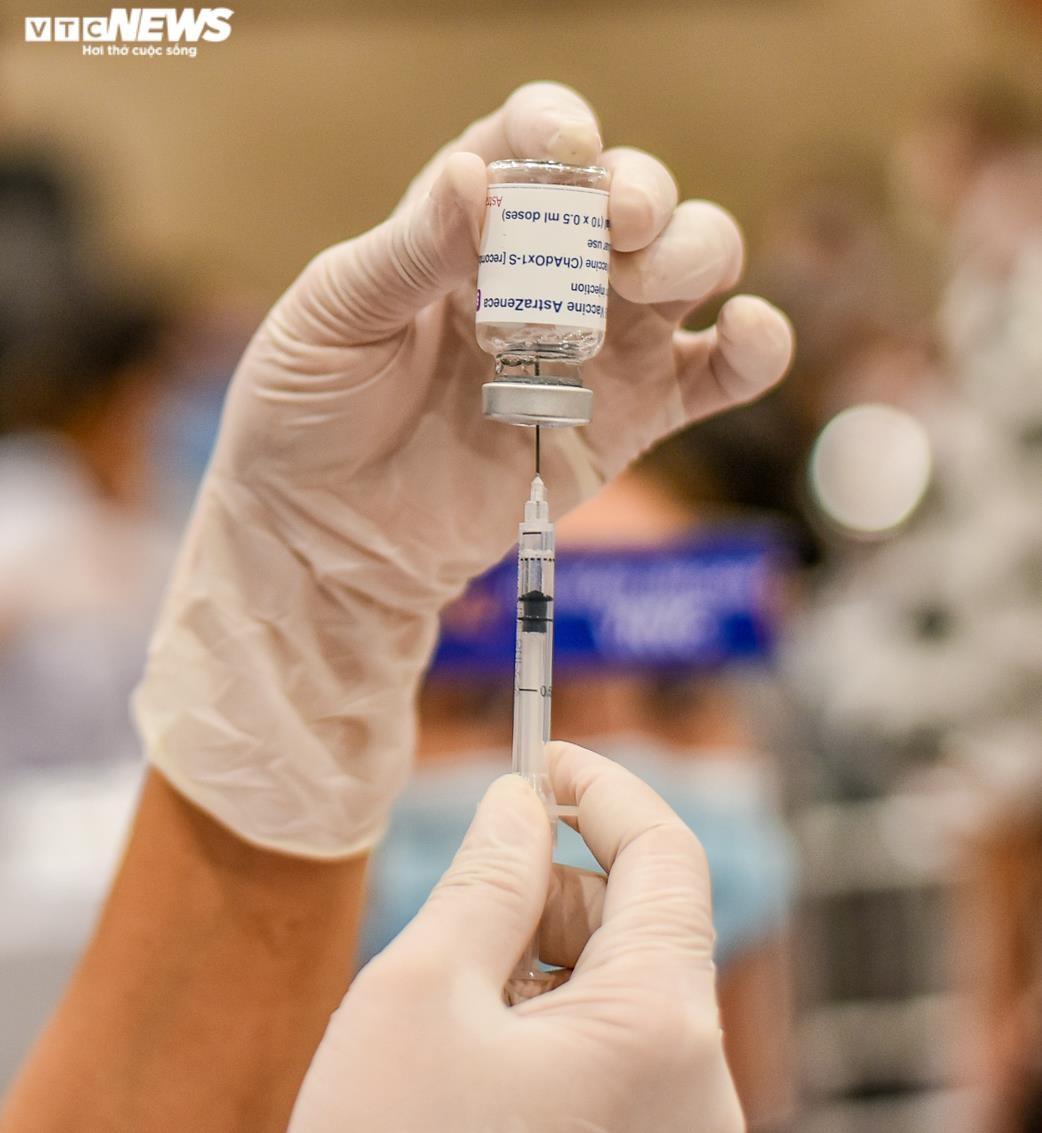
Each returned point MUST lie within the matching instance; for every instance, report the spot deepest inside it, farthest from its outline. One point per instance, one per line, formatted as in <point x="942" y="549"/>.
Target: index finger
<point x="657" y="905"/>
<point x="543" y="121"/>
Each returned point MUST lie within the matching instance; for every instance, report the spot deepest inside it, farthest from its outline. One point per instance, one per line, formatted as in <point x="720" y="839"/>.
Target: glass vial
<point x="542" y="291"/>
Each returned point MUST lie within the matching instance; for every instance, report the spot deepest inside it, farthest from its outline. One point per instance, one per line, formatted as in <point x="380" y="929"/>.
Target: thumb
<point x="487" y="906"/>
<point x="368" y="288"/>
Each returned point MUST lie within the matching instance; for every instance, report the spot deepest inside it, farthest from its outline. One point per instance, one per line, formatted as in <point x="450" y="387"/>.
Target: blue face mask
<point x="724" y="797"/>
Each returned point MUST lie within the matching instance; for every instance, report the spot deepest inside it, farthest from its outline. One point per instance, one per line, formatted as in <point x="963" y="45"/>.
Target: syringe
<point x="533" y="684"/>
<point x="533" y="660"/>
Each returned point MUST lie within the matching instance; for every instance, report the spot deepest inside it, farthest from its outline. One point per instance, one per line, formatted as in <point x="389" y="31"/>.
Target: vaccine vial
<point x="542" y="293"/>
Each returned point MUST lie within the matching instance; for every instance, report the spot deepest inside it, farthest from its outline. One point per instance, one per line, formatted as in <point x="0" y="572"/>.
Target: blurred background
<point x="851" y="719"/>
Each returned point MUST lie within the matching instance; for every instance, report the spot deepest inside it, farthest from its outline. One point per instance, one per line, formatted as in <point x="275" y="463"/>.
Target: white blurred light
<point x="870" y="468"/>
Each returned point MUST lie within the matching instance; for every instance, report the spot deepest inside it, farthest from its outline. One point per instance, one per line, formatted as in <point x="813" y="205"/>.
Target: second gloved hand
<point x="355" y="487"/>
<point x="631" y="1043"/>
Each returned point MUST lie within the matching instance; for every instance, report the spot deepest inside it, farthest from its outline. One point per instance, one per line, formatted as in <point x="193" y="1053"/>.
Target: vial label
<point x="544" y="256"/>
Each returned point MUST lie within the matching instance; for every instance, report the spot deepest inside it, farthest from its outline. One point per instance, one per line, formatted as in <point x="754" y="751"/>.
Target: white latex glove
<point x="423" y="1041"/>
<point x="356" y="487"/>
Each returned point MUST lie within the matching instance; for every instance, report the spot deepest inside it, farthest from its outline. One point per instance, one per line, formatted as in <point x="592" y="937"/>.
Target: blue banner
<point x="707" y="601"/>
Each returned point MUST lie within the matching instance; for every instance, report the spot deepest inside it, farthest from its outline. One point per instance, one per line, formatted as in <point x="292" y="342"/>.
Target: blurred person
<point x="685" y="731"/>
<point x="991" y="327"/>
<point x="353" y="491"/>
<point x="89" y="454"/>
<point x="81" y="561"/>
<point x="958" y="574"/>
<point x="917" y="662"/>
<point x="108" y="409"/>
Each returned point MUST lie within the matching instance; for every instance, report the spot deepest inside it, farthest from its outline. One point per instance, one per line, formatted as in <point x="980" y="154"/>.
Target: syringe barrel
<point x="533" y="676"/>
<point x="533" y="687"/>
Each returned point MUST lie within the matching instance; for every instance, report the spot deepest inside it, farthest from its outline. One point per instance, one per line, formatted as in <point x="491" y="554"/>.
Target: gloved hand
<point x="631" y="1043"/>
<point x="356" y="487"/>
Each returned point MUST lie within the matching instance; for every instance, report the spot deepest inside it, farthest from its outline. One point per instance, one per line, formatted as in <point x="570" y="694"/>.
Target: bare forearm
<point x="205" y="990"/>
